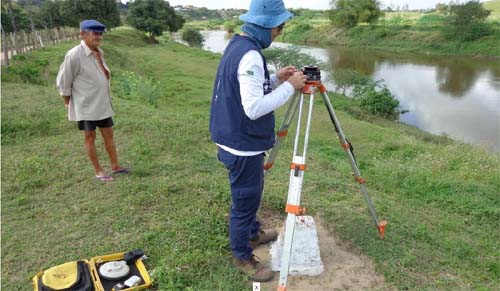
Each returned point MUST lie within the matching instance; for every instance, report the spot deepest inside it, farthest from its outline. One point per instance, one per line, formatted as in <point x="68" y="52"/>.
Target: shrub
<point x="376" y="98"/>
<point x="193" y="37"/>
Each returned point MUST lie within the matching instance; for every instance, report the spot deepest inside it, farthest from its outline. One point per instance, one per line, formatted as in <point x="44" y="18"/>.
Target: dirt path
<point x="344" y="269"/>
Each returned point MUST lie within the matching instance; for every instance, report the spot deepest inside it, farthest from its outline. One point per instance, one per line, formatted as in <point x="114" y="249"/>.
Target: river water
<point x="454" y="96"/>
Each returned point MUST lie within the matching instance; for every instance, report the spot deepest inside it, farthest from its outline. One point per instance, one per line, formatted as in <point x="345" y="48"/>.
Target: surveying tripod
<point x="298" y="165"/>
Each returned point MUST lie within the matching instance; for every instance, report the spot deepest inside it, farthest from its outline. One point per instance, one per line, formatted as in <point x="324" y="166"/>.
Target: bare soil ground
<point x="344" y="268"/>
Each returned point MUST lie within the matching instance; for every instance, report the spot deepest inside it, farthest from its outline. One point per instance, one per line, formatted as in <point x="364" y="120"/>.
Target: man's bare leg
<point x="109" y="144"/>
<point x="92" y="152"/>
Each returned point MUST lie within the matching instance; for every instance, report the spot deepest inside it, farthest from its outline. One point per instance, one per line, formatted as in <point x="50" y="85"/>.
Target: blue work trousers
<point x="246" y="178"/>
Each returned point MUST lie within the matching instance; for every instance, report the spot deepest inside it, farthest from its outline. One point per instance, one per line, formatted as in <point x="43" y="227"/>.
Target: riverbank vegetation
<point x="470" y="28"/>
<point x="467" y="29"/>
<point x="439" y="196"/>
<point x="192" y="36"/>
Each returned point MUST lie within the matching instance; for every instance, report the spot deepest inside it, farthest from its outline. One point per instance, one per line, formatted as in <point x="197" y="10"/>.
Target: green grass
<point x="440" y="197"/>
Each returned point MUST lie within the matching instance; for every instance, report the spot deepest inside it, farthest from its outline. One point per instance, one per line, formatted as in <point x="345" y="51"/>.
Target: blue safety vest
<point x="229" y="124"/>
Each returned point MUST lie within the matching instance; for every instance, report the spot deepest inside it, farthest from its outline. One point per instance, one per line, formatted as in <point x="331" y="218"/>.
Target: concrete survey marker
<point x="305" y="258"/>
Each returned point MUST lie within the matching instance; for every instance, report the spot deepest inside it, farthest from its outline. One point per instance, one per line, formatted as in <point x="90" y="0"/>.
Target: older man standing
<point x="84" y="83"/>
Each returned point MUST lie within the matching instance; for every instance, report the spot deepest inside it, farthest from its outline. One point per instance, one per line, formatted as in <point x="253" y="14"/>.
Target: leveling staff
<point x="84" y="83"/>
<point x="242" y="124"/>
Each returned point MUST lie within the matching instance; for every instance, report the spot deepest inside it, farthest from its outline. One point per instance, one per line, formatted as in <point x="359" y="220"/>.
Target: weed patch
<point x="130" y="85"/>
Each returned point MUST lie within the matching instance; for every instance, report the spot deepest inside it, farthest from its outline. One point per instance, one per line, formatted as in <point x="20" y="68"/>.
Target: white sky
<point x="311" y="4"/>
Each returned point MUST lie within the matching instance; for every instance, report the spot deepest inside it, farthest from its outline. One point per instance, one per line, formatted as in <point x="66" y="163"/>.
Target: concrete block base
<point x="305" y="258"/>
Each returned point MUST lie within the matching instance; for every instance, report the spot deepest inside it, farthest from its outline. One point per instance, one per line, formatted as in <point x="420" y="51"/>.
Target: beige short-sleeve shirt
<point x="81" y="78"/>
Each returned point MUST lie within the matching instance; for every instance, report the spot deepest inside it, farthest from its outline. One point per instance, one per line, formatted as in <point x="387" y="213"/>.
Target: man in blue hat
<point x="242" y="125"/>
<point x="84" y="83"/>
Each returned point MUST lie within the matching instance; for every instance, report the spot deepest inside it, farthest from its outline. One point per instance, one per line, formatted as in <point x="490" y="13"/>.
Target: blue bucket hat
<point x="267" y="13"/>
<point x="92" y="25"/>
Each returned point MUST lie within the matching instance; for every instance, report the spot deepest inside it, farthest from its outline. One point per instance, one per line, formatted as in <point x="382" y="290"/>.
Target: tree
<point x="466" y="14"/>
<point x="14" y="18"/>
<point x="467" y="21"/>
<point x="348" y="13"/>
<point x="50" y="14"/>
<point x="154" y="17"/>
<point x="441" y="8"/>
<point x="105" y="11"/>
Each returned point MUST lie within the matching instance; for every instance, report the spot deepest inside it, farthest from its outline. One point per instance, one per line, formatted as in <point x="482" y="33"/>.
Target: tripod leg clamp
<point x="297" y="168"/>
<point x="282" y="133"/>
<point x="345" y="146"/>
<point x="295" y="209"/>
<point x="268" y="166"/>
<point x="360" y="180"/>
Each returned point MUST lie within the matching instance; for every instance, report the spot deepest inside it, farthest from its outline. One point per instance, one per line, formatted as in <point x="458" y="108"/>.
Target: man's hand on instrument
<point x="285" y="73"/>
<point x="298" y="80"/>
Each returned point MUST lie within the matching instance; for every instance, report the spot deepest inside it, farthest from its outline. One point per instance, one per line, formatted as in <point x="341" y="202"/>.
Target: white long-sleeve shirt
<point x="251" y="77"/>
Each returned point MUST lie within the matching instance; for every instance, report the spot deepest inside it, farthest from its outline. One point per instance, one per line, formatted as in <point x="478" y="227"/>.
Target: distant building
<point x="183" y="7"/>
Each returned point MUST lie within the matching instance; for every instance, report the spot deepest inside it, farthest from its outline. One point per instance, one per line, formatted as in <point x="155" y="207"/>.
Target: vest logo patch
<point x="267" y="87"/>
<point x="250" y="73"/>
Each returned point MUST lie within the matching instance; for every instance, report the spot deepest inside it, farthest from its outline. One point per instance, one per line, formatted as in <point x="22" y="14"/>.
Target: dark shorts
<point x="92" y="124"/>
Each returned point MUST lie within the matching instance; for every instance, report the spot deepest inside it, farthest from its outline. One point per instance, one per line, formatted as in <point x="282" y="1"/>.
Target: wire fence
<point x="14" y="43"/>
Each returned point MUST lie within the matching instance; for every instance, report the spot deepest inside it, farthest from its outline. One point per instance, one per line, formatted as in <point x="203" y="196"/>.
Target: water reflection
<point x="455" y="75"/>
<point x="455" y="96"/>
<point x="344" y="58"/>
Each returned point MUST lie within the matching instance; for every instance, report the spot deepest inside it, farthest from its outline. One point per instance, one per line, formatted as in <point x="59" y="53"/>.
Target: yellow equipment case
<point x="83" y="275"/>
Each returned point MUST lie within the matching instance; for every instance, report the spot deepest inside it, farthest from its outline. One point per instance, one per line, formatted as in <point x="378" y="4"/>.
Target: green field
<point x="441" y="198"/>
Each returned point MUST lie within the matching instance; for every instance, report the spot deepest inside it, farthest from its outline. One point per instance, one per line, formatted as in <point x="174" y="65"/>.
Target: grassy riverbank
<point x="397" y="31"/>
<point x="440" y="197"/>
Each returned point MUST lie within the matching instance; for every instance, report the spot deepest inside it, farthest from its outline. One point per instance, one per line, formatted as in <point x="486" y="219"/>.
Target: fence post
<point x="39" y="37"/>
<point x="58" y="35"/>
<point x="24" y="40"/>
<point x="32" y="38"/>
<point x="15" y="49"/>
<point x="5" y="44"/>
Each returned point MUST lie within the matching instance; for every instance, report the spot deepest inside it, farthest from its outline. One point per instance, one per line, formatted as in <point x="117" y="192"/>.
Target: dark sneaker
<point x="263" y="237"/>
<point x="255" y="270"/>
